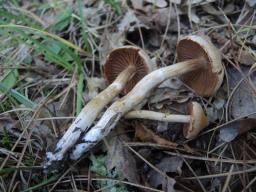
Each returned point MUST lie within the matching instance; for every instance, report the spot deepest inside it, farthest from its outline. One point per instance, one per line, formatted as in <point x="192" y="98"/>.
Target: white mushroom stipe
<point x="194" y="121"/>
<point x="80" y="148"/>
<point x="118" y="85"/>
<point x="152" y="115"/>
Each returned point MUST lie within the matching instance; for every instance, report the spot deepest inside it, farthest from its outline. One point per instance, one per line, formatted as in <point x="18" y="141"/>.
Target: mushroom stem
<point x="152" y="115"/>
<point x="88" y="114"/>
<point x="133" y="98"/>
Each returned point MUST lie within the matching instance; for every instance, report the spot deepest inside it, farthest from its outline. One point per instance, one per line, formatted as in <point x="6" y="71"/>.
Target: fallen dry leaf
<point x="94" y="85"/>
<point x="110" y="41"/>
<point x="129" y="22"/>
<point x="243" y="101"/>
<point x="162" y="126"/>
<point x="166" y="165"/>
<point x="173" y="83"/>
<point x="212" y="10"/>
<point x="163" y="94"/>
<point x="165" y="15"/>
<point x="92" y="16"/>
<point x="137" y="4"/>
<point x="44" y="135"/>
<point x="193" y="16"/>
<point x="169" y="95"/>
<point x="246" y="58"/>
<point x="216" y="110"/>
<point x="120" y="159"/>
<point x="251" y="3"/>
<point x="145" y="134"/>
<point x="230" y="131"/>
<point x="233" y="50"/>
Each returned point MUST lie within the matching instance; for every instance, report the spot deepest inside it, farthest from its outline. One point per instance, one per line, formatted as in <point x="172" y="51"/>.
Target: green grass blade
<point x="10" y="78"/>
<point x="45" y="182"/>
<point x="45" y="33"/>
<point x="84" y="30"/>
<point x="66" y="51"/>
<point x="18" y="96"/>
<point x="46" y="51"/>
<point x="80" y="87"/>
<point x="63" y="19"/>
<point x="115" y="5"/>
<point x="13" y="169"/>
<point x="6" y="84"/>
<point x="6" y="17"/>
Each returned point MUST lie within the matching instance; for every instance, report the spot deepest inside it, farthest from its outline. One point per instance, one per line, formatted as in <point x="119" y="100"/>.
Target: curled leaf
<point x="229" y="132"/>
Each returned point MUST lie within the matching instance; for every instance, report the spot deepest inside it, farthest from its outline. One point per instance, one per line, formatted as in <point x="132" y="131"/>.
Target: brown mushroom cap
<point x="120" y="58"/>
<point x="198" y="121"/>
<point x="205" y="81"/>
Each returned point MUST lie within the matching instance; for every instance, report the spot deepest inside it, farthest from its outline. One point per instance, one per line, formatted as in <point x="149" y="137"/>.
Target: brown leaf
<point x="145" y="134"/>
<point x="167" y="165"/>
<point x="162" y="17"/>
<point x="94" y="85"/>
<point x="193" y="16"/>
<point x="137" y="4"/>
<point x="120" y="159"/>
<point x="230" y="131"/>
<point x="251" y="3"/>
<point x="215" y="111"/>
<point x="129" y="22"/>
<point x="110" y="41"/>
<point x="243" y="101"/>
<point x="244" y="57"/>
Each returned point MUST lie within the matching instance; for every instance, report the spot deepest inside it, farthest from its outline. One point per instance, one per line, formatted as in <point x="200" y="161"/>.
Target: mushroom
<point x="202" y="57"/>
<point x="205" y="81"/>
<point x="195" y="120"/>
<point x="122" y="59"/>
<point x="124" y="67"/>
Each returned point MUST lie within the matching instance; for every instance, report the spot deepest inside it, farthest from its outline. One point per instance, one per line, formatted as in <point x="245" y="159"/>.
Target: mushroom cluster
<point x="124" y="67"/>
<point x="200" y="67"/>
<point x="128" y="69"/>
